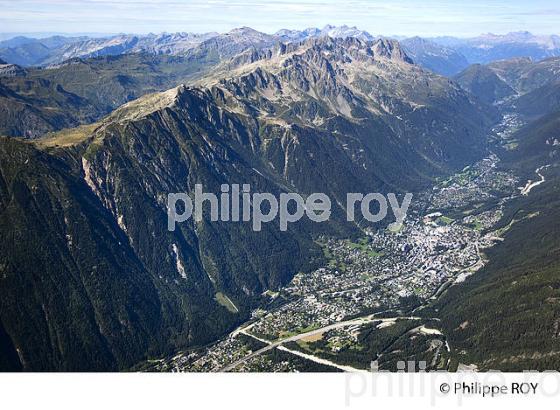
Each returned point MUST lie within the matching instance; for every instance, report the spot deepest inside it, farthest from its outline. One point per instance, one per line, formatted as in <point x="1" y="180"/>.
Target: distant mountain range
<point x="86" y="78"/>
<point x="491" y="47"/>
<point x="443" y="55"/>
<point x="52" y="50"/>
<point x="328" y="30"/>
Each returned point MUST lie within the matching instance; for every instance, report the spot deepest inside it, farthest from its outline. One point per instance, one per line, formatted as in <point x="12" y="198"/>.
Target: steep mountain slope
<point x="525" y="75"/>
<point x="76" y="296"/>
<point x="164" y="283"/>
<point x="483" y="82"/>
<point x="113" y="286"/>
<point x="104" y="83"/>
<point x="32" y="107"/>
<point x="507" y="316"/>
<point x="435" y="57"/>
<point x="530" y="88"/>
<point x="36" y="101"/>
<point x="543" y="100"/>
<point x="111" y="81"/>
<point x="539" y="144"/>
<point x="359" y="82"/>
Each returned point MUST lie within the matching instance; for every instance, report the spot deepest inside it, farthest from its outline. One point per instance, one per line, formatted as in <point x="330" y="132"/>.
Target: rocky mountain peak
<point x="390" y="49"/>
<point x="329" y="30"/>
<point x="11" y="70"/>
<point x="246" y="33"/>
<point x="353" y="48"/>
<point x="321" y="52"/>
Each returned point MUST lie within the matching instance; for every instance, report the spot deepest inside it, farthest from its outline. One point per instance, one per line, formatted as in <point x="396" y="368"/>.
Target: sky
<point x="387" y="17"/>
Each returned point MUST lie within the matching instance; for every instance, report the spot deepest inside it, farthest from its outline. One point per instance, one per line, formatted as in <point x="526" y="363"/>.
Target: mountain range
<point x="491" y="47"/>
<point x="96" y="274"/>
<point x="125" y="67"/>
<point x="443" y="55"/>
<point x="530" y="88"/>
<point x="96" y="132"/>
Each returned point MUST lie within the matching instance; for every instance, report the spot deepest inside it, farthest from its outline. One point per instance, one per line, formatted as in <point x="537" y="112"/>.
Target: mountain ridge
<point x="281" y="125"/>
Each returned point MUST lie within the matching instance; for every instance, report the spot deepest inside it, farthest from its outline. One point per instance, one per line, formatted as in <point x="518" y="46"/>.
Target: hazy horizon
<point x="386" y="17"/>
<point x="42" y="35"/>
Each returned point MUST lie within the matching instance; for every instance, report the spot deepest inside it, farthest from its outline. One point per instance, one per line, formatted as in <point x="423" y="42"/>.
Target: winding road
<point x="530" y="185"/>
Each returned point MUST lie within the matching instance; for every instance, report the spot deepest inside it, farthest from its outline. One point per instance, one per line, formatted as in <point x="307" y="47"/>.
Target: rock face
<point x="11" y="70"/>
<point x="89" y="264"/>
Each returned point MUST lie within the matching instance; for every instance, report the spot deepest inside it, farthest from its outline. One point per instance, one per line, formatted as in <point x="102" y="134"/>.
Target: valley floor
<point x="371" y="306"/>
